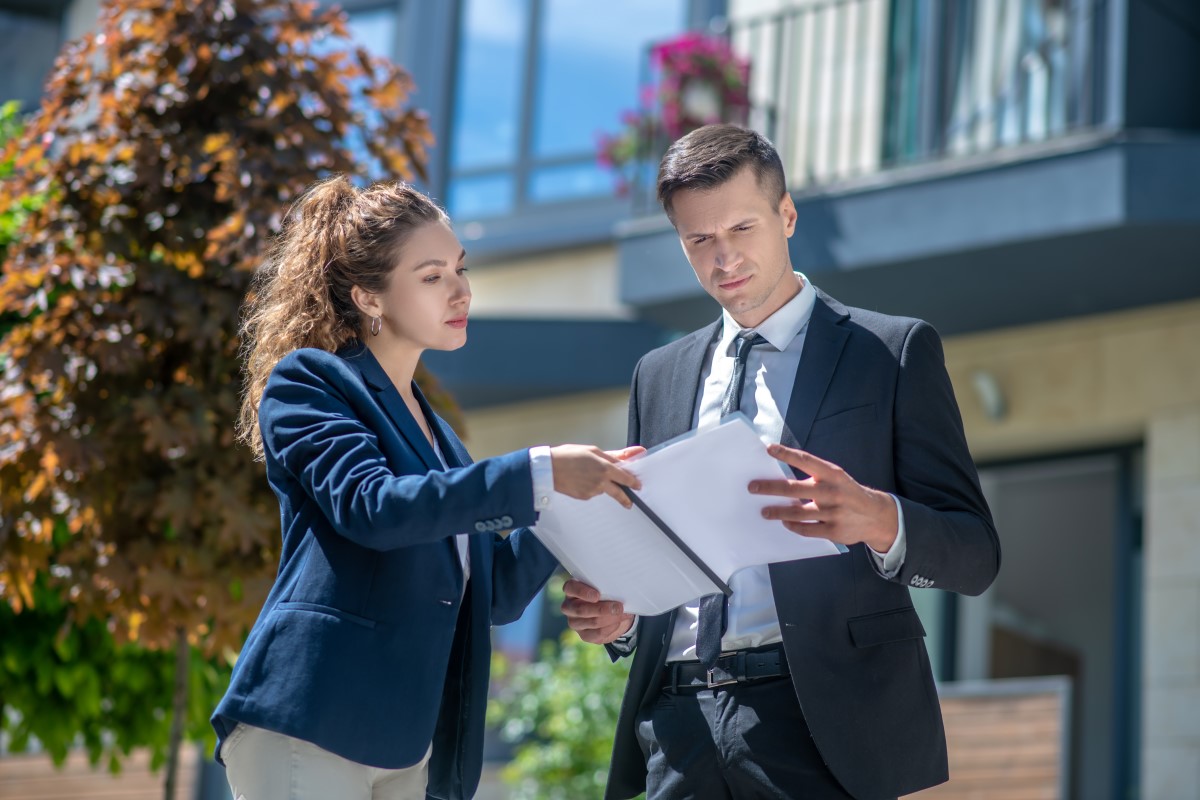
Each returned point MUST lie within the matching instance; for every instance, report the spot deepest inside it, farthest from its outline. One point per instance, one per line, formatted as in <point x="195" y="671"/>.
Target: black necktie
<point x="710" y="626"/>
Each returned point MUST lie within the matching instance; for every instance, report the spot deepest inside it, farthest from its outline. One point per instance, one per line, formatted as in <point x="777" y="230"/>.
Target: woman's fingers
<point x="616" y="493"/>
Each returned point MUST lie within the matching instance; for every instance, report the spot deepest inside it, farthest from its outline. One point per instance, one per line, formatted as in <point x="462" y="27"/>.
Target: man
<point x="813" y="680"/>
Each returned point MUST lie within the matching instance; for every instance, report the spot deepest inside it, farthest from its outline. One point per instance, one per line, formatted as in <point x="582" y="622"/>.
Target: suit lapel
<point x="680" y="408"/>
<point x="823" y="345"/>
<point x="392" y="402"/>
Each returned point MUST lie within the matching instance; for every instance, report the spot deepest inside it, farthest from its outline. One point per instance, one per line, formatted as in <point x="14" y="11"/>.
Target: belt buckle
<point x="731" y="679"/>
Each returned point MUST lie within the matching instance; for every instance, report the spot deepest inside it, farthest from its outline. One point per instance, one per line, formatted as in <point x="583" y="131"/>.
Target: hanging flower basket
<point x="697" y="80"/>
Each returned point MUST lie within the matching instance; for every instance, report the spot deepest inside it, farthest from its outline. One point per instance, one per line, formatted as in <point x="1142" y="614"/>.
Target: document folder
<point x="694" y="522"/>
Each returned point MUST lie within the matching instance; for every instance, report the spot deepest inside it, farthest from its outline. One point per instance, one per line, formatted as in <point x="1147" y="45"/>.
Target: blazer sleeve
<point x="311" y="429"/>
<point x="521" y="565"/>
<point x="951" y="540"/>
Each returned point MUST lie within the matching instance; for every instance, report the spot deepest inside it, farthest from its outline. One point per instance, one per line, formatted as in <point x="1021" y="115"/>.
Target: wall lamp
<point x="990" y="395"/>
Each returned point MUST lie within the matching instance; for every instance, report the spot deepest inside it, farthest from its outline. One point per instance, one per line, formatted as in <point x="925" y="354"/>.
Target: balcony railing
<point x="848" y="88"/>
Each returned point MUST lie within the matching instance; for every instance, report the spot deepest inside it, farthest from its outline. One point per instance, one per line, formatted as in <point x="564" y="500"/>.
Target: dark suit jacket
<point x="365" y="645"/>
<point x="872" y="396"/>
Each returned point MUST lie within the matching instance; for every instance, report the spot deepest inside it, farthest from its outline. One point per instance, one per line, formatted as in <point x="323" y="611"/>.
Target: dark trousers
<point x="738" y="742"/>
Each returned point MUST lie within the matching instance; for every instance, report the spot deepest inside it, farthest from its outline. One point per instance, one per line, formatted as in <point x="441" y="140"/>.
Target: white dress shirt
<point x="770" y="375"/>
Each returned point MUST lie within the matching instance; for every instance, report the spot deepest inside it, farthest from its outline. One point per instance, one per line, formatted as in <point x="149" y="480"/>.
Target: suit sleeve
<point x="634" y="431"/>
<point x="951" y="540"/>
<point x="310" y="428"/>
<point x="634" y="437"/>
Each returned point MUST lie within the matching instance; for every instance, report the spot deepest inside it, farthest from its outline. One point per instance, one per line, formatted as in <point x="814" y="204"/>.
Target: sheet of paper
<point x="697" y="486"/>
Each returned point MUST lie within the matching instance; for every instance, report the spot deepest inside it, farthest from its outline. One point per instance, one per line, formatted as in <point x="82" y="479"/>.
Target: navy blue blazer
<point x="366" y="645"/>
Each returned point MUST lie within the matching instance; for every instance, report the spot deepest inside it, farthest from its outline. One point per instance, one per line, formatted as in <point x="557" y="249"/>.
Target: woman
<point x="366" y="673"/>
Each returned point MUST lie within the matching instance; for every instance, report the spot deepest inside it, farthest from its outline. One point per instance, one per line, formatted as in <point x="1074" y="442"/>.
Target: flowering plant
<point x="696" y="80"/>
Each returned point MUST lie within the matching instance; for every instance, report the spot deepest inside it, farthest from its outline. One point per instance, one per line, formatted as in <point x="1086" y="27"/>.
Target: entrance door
<point x="1065" y="601"/>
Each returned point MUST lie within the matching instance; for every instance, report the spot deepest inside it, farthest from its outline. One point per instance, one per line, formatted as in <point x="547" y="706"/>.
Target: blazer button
<point x="505" y="522"/>
<point x="481" y="527"/>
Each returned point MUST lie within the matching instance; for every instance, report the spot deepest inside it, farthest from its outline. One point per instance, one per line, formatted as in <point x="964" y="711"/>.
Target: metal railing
<point x="847" y="88"/>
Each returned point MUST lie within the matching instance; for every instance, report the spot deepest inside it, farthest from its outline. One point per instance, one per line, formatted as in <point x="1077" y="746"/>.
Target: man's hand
<point x="829" y="504"/>
<point x="595" y="620"/>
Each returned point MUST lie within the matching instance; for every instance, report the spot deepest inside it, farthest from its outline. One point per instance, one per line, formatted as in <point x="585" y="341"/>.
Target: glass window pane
<point x="484" y="196"/>
<point x="374" y="30"/>
<point x="589" y="63"/>
<point x="28" y="46"/>
<point x="487" y="108"/>
<point x="570" y="182"/>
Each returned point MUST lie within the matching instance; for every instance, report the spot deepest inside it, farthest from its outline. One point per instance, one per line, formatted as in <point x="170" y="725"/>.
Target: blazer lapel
<point x="451" y="446"/>
<point x="823" y="345"/>
<point x="456" y="456"/>
<point x="680" y="407"/>
<point x="373" y="373"/>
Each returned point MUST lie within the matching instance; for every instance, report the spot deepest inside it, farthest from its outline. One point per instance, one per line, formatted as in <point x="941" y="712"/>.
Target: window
<point x="537" y="80"/>
<point x="28" y="45"/>
<point x="372" y="27"/>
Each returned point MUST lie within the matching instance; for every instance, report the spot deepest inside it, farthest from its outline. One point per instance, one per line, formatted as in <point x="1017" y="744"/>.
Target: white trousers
<point x="264" y="765"/>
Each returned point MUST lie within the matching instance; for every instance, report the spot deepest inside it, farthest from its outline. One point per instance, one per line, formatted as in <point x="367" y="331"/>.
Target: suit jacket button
<point x="505" y="522"/>
<point x="481" y="527"/>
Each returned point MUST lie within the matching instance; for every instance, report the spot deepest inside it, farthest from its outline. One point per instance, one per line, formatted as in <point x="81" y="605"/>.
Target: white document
<point x="697" y="486"/>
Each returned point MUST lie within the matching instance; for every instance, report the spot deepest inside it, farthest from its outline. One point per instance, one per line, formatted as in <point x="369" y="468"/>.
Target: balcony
<point x="972" y="164"/>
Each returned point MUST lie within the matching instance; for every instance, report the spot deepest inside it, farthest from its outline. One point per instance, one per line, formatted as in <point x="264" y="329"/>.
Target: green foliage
<point x="562" y="711"/>
<point x="69" y="682"/>
<point x="14" y="214"/>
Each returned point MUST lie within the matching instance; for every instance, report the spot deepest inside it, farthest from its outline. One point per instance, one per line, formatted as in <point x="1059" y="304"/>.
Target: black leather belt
<point x="739" y="666"/>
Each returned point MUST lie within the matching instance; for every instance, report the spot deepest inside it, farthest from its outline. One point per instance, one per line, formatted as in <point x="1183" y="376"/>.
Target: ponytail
<point x="334" y="237"/>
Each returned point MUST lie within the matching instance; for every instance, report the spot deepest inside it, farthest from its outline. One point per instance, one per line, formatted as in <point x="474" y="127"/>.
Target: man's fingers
<point x="806" y="490"/>
<point x="797" y="512"/>
<point x="819" y="530"/>
<point x="804" y="461"/>
<point x="581" y="590"/>
<point x="583" y="609"/>
<point x="779" y="487"/>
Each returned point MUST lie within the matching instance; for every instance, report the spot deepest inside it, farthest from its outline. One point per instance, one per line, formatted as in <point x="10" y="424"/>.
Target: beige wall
<point x="567" y="284"/>
<point x="1171" y="686"/>
<point x="1111" y="379"/>
<point x="1079" y="383"/>
<point x="597" y="418"/>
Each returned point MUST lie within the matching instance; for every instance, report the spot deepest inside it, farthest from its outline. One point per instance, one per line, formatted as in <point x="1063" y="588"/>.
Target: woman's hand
<point x="583" y="471"/>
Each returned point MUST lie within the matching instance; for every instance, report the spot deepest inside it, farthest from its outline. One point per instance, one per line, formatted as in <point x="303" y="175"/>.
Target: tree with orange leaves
<point x="167" y="146"/>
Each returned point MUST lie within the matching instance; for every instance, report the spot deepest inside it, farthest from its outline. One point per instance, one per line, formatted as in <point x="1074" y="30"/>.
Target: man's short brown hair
<point x="710" y="156"/>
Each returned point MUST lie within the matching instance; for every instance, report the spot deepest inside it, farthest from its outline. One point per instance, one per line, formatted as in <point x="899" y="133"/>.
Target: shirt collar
<point x="780" y="328"/>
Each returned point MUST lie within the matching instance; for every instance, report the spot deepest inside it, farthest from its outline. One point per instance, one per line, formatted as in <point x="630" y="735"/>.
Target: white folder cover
<point x="694" y="523"/>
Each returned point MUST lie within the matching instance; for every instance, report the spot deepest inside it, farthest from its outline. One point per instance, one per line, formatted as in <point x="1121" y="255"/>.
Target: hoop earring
<point x="376" y="325"/>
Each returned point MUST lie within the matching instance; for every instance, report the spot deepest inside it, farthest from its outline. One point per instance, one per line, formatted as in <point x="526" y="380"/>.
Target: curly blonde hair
<point x="333" y="238"/>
